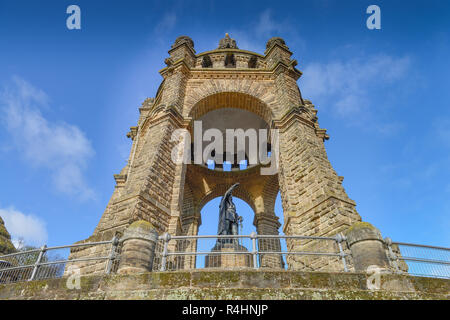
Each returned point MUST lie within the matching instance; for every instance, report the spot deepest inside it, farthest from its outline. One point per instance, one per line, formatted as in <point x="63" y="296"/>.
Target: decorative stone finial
<point x="276" y="40"/>
<point x="227" y="43"/>
<point x="183" y="39"/>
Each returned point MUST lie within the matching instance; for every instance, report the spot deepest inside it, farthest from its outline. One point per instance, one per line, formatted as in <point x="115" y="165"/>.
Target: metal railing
<point x="172" y="253"/>
<point x="53" y="262"/>
<point x="254" y="251"/>
<point x="419" y="260"/>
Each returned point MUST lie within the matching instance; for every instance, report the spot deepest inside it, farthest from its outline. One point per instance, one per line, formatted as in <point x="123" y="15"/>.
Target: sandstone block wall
<point x="237" y="285"/>
<point x="152" y="188"/>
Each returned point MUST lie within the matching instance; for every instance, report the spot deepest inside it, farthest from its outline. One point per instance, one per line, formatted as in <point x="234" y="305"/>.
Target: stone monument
<point x="229" y="87"/>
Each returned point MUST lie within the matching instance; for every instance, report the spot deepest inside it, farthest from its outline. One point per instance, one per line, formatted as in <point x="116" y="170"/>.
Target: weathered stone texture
<point x="227" y="260"/>
<point x="367" y="246"/>
<point x="138" y="248"/>
<point x="227" y="285"/>
<point x="152" y="188"/>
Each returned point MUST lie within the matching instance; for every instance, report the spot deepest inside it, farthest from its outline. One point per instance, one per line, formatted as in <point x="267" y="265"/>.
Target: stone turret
<point x="6" y="245"/>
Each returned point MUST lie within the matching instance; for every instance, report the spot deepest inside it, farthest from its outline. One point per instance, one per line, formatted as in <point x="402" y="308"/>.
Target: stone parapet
<point x="242" y="284"/>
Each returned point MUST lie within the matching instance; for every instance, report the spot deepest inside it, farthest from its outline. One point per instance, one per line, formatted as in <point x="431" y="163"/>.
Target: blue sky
<point x="68" y="98"/>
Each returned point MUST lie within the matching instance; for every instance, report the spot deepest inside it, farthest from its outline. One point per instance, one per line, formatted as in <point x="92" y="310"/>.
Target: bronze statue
<point x="228" y="218"/>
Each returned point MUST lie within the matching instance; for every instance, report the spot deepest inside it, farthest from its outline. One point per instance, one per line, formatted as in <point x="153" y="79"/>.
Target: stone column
<point x="267" y="224"/>
<point x="367" y="246"/>
<point x="190" y="228"/>
<point x="138" y="250"/>
<point x="314" y="200"/>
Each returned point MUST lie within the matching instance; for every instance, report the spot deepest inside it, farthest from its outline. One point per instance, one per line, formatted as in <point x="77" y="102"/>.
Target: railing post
<point x="112" y="254"/>
<point x="166" y="238"/>
<point x="138" y="248"/>
<point x="392" y="256"/>
<point x="254" y="250"/>
<point x="339" y="239"/>
<point x="367" y="247"/>
<point x="37" y="263"/>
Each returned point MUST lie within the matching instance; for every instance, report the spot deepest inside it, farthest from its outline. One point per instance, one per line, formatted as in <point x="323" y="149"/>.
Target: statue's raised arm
<point x="227" y="213"/>
<point x="227" y="194"/>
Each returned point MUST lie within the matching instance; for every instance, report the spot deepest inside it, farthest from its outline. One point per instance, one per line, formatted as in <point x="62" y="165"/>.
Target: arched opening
<point x="206" y="62"/>
<point x="230" y="99"/>
<point x="255" y="198"/>
<point x="252" y="62"/>
<point x="230" y="61"/>
<point x="210" y="218"/>
<point x="238" y="162"/>
<point x="229" y="139"/>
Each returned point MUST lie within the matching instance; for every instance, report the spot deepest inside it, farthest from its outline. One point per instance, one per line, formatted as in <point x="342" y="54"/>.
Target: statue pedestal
<point x="226" y="259"/>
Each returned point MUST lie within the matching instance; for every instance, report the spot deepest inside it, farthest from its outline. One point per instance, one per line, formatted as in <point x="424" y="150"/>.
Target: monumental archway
<point x="246" y="111"/>
<point x="169" y="195"/>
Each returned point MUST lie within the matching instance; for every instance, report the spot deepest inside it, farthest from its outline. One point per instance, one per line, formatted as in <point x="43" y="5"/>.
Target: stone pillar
<point x="176" y="74"/>
<point x="190" y="228"/>
<point x="138" y="250"/>
<point x="267" y="224"/>
<point x="367" y="246"/>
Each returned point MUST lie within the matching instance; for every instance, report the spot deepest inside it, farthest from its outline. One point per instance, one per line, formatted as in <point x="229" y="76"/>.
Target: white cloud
<point x="345" y="86"/>
<point x="267" y="26"/>
<point x="256" y="33"/>
<point x="24" y="226"/>
<point x="167" y="23"/>
<point x="387" y="128"/>
<point x="60" y="147"/>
